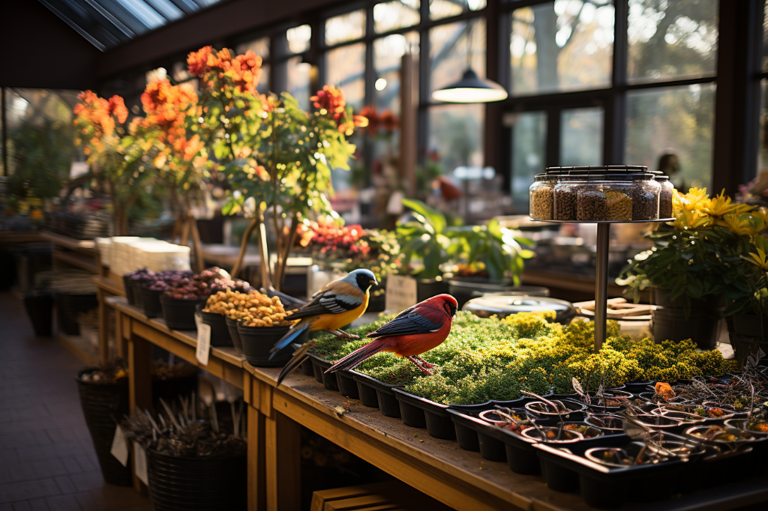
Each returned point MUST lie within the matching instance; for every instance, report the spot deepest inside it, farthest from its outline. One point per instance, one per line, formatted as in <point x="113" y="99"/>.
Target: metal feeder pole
<point x="601" y="283"/>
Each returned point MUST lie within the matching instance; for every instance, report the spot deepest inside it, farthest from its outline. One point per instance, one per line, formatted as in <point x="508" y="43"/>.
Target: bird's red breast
<point x="410" y="345"/>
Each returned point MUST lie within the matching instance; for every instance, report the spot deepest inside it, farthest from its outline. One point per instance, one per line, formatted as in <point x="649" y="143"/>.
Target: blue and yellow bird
<point x="337" y="304"/>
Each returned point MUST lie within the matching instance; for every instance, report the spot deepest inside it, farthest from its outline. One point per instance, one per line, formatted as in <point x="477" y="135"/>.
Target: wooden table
<point x="438" y="468"/>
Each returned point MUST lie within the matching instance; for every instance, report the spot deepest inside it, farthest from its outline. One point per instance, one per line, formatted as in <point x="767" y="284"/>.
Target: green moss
<point x="484" y="359"/>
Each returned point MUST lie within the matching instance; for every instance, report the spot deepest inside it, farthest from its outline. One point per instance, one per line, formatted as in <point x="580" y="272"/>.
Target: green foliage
<point x="687" y="264"/>
<point x="485" y="359"/>
<point x="435" y="241"/>
<point x="43" y="151"/>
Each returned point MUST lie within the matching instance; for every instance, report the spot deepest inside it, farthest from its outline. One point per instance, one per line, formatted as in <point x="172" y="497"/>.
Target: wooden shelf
<point x="76" y="259"/>
<point x="87" y="246"/>
<point x="438" y="468"/>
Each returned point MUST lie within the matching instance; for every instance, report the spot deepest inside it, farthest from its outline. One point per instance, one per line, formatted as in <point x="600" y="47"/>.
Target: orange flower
<point x="664" y="390"/>
<point x="370" y="113"/>
<point x="167" y="106"/>
<point x="118" y="109"/>
<point x="198" y="61"/>
<point x="389" y="121"/>
<point x="332" y="100"/>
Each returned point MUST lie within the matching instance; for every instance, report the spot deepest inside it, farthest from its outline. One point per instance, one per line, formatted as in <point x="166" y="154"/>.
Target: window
<point x="290" y="72"/>
<point x="346" y="70"/>
<point x="581" y="136"/>
<point x="393" y="15"/>
<point x="347" y="27"/>
<point x="456" y="136"/>
<point x="529" y="140"/>
<point x="439" y="9"/>
<point x="387" y="57"/>
<point x="559" y="46"/>
<point x="674" y="120"/>
<point x="672" y="39"/>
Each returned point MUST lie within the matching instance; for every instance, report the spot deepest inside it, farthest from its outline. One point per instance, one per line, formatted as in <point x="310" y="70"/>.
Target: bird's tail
<point x="289" y="337"/>
<point x="299" y="356"/>
<point x="359" y="355"/>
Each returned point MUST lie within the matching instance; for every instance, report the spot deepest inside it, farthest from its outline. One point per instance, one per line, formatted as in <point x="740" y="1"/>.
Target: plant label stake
<point x="203" y="341"/>
<point x="120" y="446"/>
<point x="140" y="469"/>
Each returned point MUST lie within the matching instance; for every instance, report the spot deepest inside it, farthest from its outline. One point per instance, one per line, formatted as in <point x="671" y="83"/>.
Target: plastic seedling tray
<point x="385" y="396"/>
<point x="424" y="413"/>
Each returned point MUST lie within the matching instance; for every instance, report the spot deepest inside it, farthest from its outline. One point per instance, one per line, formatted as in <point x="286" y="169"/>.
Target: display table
<point x="439" y="468"/>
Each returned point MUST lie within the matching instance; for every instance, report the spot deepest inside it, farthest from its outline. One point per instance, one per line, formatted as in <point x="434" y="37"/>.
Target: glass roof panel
<point x="107" y="23"/>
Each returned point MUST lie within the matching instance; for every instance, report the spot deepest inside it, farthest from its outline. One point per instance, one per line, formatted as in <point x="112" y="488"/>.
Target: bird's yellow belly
<point x="336" y="321"/>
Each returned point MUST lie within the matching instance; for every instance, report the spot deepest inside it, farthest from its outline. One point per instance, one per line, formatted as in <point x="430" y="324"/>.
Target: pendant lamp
<point x="471" y="88"/>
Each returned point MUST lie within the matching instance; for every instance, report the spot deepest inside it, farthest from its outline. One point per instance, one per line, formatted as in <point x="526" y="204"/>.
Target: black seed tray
<point x="320" y="365"/>
<point x="604" y="487"/>
<point x="418" y="412"/>
<point x="384" y="400"/>
<point x="475" y="434"/>
<point x="347" y="384"/>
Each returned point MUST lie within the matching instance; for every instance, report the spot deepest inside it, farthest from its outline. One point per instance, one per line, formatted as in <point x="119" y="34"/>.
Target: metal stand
<point x="601" y="283"/>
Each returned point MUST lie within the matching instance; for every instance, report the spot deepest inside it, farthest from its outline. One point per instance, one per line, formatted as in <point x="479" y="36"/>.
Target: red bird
<point x="412" y="332"/>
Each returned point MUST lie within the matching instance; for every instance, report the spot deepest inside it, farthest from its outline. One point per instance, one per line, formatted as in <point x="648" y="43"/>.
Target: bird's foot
<point x="344" y="335"/>
<point x="415" y="360"/>
<point x="424" y="363"/>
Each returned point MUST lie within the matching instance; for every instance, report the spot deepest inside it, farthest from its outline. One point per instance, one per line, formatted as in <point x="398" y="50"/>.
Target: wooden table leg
<point x="139" y="386"/>
<point x="283" y="462"/>
<point x="103" y="327"/>
<point x="257" y="495"/>
<point x="121" y="345"/>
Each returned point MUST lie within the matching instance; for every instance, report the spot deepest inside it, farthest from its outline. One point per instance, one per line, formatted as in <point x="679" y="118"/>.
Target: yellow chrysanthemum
<point x="738" y="225"/>
<point x="690" y="219"/>
<point x="721" y="205"/>
<point x="758" y="258"/>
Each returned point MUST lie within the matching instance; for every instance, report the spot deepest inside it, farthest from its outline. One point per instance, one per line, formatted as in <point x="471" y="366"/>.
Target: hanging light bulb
<point x="471" y="88"/>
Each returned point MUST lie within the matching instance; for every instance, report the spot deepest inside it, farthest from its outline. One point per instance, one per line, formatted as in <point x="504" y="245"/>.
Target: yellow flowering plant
<point x="707" y="252"/>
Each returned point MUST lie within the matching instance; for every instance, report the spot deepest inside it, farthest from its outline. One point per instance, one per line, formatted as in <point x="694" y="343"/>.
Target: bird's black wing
<point x="327" y="303"/>
<point x="412" y="323"/>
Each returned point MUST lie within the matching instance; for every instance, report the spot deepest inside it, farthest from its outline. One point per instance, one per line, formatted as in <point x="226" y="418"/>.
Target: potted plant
<point x="690" y="268"/>
<point x="748" y="313"/>
<point x="276" y="157"/>
<point x="493" y="253"/>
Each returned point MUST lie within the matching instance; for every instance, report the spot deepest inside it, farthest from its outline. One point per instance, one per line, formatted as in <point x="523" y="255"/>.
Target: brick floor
<point x="47" y="461"/>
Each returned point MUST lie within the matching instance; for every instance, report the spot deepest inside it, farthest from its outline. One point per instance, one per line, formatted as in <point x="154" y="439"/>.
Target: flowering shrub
<point x="702" y="253"/>
<point x="385" y="121"/>
<point x="116" y="157"/>
<point x="275" y="156"/>
<point x="485" y="359"/>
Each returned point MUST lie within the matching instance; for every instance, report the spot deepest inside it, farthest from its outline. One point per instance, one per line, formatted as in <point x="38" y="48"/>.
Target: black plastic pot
<point x="307" y="368"/>
<point x="179" y="314"/>
<point x="170" y="390"/>
<point x="319" y="366"/>
<point x="69" y="305"/>
<point x="385" y="399"/>
<point x="129" y="291"/>
<point x="39" y="307"/>
<point x="378" y="300"/>
<point x="234" y="334"/>
<point x="639" y="386"/>
<point x="257" y="341"/>
<point x="749" y="335"/>
<point x="103" y="405"/>
<point x="150" y="302"/>
<point x="612" y="488"/>
<point x="347" y="384"/>
<point x="427" y="288"/>
<point x="700" y="326"/>
<point x="219" y="332"/>
<point x="418" y="412"/>
<point x="184" y="484"/>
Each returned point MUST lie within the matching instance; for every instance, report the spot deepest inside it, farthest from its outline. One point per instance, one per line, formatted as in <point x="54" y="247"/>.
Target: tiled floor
<point x="47" y="461"/>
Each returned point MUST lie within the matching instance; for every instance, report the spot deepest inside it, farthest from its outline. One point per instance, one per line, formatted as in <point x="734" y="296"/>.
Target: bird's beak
<point x="372" y="281"/>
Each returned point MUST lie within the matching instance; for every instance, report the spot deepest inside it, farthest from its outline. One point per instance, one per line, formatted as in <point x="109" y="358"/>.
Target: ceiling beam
<point x="219" y="22"/>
